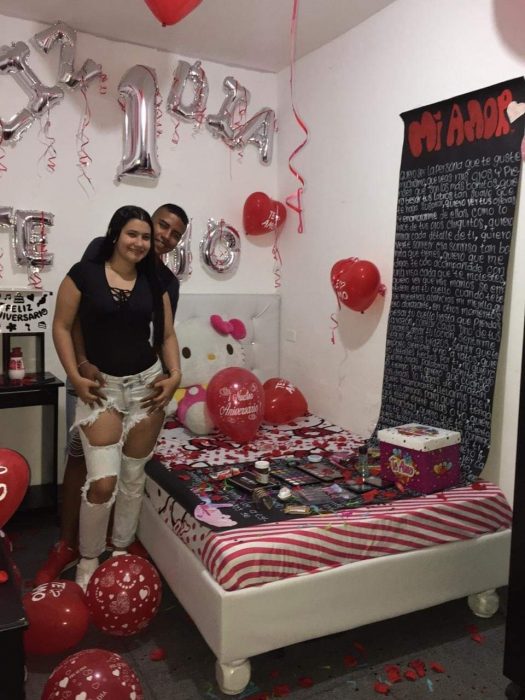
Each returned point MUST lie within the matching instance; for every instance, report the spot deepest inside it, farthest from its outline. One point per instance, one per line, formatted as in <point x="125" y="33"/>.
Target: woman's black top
<point x="116" y="327"/>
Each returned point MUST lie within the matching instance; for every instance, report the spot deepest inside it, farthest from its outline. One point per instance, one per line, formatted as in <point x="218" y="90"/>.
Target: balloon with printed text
<point x="261" y="214"/>
<point x="58" y="617"/>
<point x="235" y="400"/>
<point x="14" y="480"/>
<point x="356" y="283"/>
<point x="90" y="674"/>
<point x="283" y="402"/>
<point x="171" y="11"/>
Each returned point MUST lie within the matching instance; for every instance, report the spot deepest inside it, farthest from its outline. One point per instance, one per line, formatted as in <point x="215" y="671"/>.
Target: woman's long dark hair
<point x="147" y="266"/>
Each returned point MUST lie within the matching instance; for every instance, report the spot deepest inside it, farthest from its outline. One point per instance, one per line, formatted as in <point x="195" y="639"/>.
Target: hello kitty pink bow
<point x="234" y="327"/>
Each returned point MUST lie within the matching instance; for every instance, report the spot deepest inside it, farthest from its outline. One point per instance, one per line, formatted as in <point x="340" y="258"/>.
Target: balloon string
<point x="1" y="266"/>
<point x="175" y="136"/>
<point x="35" y="280"/>
<point x="50" y="152"/>
<point x="334" y="327"/>
<point x="3" y="166"/>
<point x="294" y="201"/>
<point x="84" y="159"/>
<point x="277" y="258"/>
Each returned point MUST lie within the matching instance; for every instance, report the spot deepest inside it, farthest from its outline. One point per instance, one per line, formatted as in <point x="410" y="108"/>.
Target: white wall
<point x="200" y="173"/>
<point x="350" y="94"/>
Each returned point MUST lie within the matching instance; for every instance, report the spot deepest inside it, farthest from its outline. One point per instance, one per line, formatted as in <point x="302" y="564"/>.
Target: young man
<point x="170" y="222"/>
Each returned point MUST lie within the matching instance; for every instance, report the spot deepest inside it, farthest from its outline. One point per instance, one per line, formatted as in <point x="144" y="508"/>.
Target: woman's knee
<point x="101" y="490"/>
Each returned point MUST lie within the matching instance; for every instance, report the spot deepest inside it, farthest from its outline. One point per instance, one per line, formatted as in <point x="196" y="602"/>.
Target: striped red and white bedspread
<point x="252" y="556"/>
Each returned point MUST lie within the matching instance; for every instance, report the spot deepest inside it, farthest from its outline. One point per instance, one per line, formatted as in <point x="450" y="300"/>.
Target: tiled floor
<point x="338" y="667"/>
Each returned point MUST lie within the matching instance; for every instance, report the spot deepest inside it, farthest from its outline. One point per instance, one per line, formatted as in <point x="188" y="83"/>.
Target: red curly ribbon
<point x="84" y="159"/>
<point x="3" y="166"/>
<point x="102" y="86"/>
<point x="50" y="153"/>
<point x="294" y="201"/>
<point x="1" y="266"/>
<point x="175" y="137"/>
<point x="334" y="327"/>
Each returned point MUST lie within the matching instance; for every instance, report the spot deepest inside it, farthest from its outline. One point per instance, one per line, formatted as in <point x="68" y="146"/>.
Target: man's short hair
<point x="174" y="209"/>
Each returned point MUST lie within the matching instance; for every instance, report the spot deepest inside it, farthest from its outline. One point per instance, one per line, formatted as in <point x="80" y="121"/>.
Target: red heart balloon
<point x="235" y="399"/>
<point x="356" y="283"/>
<point x="283" y="401"/>
<point x="14" y="480"/>
<point x="171" y="11"/>
<point x="262" y="214"/>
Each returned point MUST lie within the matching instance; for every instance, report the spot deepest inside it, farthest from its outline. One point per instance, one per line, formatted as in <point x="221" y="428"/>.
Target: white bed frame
<point x="240" y="624"/>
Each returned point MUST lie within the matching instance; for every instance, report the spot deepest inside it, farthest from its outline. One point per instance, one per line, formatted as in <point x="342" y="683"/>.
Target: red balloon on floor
<point x="14" y="480"/>
<point x="262" y="214"/>
<point x="58" y="617"/>
<point x="283" y="401"/>
<point x="124" y="595"/>
<point x="90" y="674"/>
<point x="235" y="400"/>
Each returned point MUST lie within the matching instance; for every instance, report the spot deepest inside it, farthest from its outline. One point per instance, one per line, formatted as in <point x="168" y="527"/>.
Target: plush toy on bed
<point x="207" y="345"/>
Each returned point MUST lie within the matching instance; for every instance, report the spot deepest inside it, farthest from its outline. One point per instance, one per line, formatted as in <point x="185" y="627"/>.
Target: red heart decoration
<point x="262" y="214"/>
<point x="14" y="480"/>
<point x="356" y="283"/>
<point x="171" y="11"/>
<point x="283" y="402"/>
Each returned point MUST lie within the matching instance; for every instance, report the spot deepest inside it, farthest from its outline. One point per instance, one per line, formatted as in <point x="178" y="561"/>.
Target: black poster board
<point x="459" y="176"/>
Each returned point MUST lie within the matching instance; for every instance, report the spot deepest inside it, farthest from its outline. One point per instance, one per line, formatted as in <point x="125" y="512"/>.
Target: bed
<point x="252" y="611"/>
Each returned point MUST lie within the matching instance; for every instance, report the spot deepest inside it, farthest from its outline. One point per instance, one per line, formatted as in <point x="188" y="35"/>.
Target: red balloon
<point x="283" y="401"/>
<point x="14" y="480"/>
<point x="262" y="214"/>
<point x="171" y="11"/>
<point x="123" y="595"/>
<point x="90" y="674"/>
<point x="356" y="283"/>
<point x="235" y="400"/>
<point x="58" y="617"/>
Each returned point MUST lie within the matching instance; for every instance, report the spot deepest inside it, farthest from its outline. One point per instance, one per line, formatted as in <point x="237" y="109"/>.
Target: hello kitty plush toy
<point x="207" y="345"/>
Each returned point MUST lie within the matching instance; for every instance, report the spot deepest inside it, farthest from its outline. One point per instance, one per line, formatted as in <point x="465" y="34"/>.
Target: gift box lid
<point x="415" y="436"/>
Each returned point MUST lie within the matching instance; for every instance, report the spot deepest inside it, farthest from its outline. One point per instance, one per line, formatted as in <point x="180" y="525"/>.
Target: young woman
<point x="117" y="297"/>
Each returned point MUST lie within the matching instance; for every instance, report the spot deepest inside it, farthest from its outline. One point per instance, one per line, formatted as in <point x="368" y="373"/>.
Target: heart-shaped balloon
<point x="356" y="283"/>
<point x="171" y="11"/>
<point x="14" y="480"/>
<point x="262" y="214"/>
<point x="283" y="401"/>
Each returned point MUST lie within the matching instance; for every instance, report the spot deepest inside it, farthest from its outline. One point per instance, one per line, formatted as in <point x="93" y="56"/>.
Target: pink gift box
<point x="422" y="458"/>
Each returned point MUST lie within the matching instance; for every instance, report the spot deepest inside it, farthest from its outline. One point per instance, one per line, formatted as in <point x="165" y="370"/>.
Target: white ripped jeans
<point x="124" y="395"/>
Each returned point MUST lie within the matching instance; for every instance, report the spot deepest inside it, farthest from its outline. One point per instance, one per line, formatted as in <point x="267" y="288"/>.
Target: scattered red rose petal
<point x="411" y="675"/>
<point x="479" y="485"/>
<point x="360" y="648"/>
<point x="184" y="477"/>
<point x="281" y="691"/>
<point x="258" y="696"/>
<point x="418" y="666"/>
<point x="306" y="682"/>
<point x="157" y="654"/>
<point x="3" y="576"/>
<point x="369" y="495"/>
<point x="478" y="637"/>
<point x="438" y="668"/>
<point x="381" y="688"/>
<point x="394" y="673"/>
<point x="350" y="661"/>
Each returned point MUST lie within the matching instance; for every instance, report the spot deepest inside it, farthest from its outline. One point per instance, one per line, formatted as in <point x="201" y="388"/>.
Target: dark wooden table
<point x="38" y="390"/>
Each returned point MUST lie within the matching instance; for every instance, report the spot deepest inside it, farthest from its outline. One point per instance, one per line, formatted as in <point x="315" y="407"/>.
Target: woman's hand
<point x="87" y="391"/>
<point x="163" y="388"/>
<point x="88" y="370"/>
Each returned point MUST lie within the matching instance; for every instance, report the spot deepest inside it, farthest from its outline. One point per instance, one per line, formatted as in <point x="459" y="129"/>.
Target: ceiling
<point x="249" y="33"/>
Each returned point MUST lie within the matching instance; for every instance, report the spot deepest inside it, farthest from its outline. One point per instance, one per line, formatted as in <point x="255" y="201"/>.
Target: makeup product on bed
<point x="379" y="482"/>
<point x="297" y="509"/>
<point x="246" y="481"/>
<point x="284" y="494"/>
<point x="362" y="461"/>
<point x="322" y="470"/>
<point x="358" y="486"/>
<point x="294" y="476"/>
<point x="224" y="473"/>
<point x="262" y="471"/>
<point x="262" y="498"/>
<point x="313" y="495"/>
